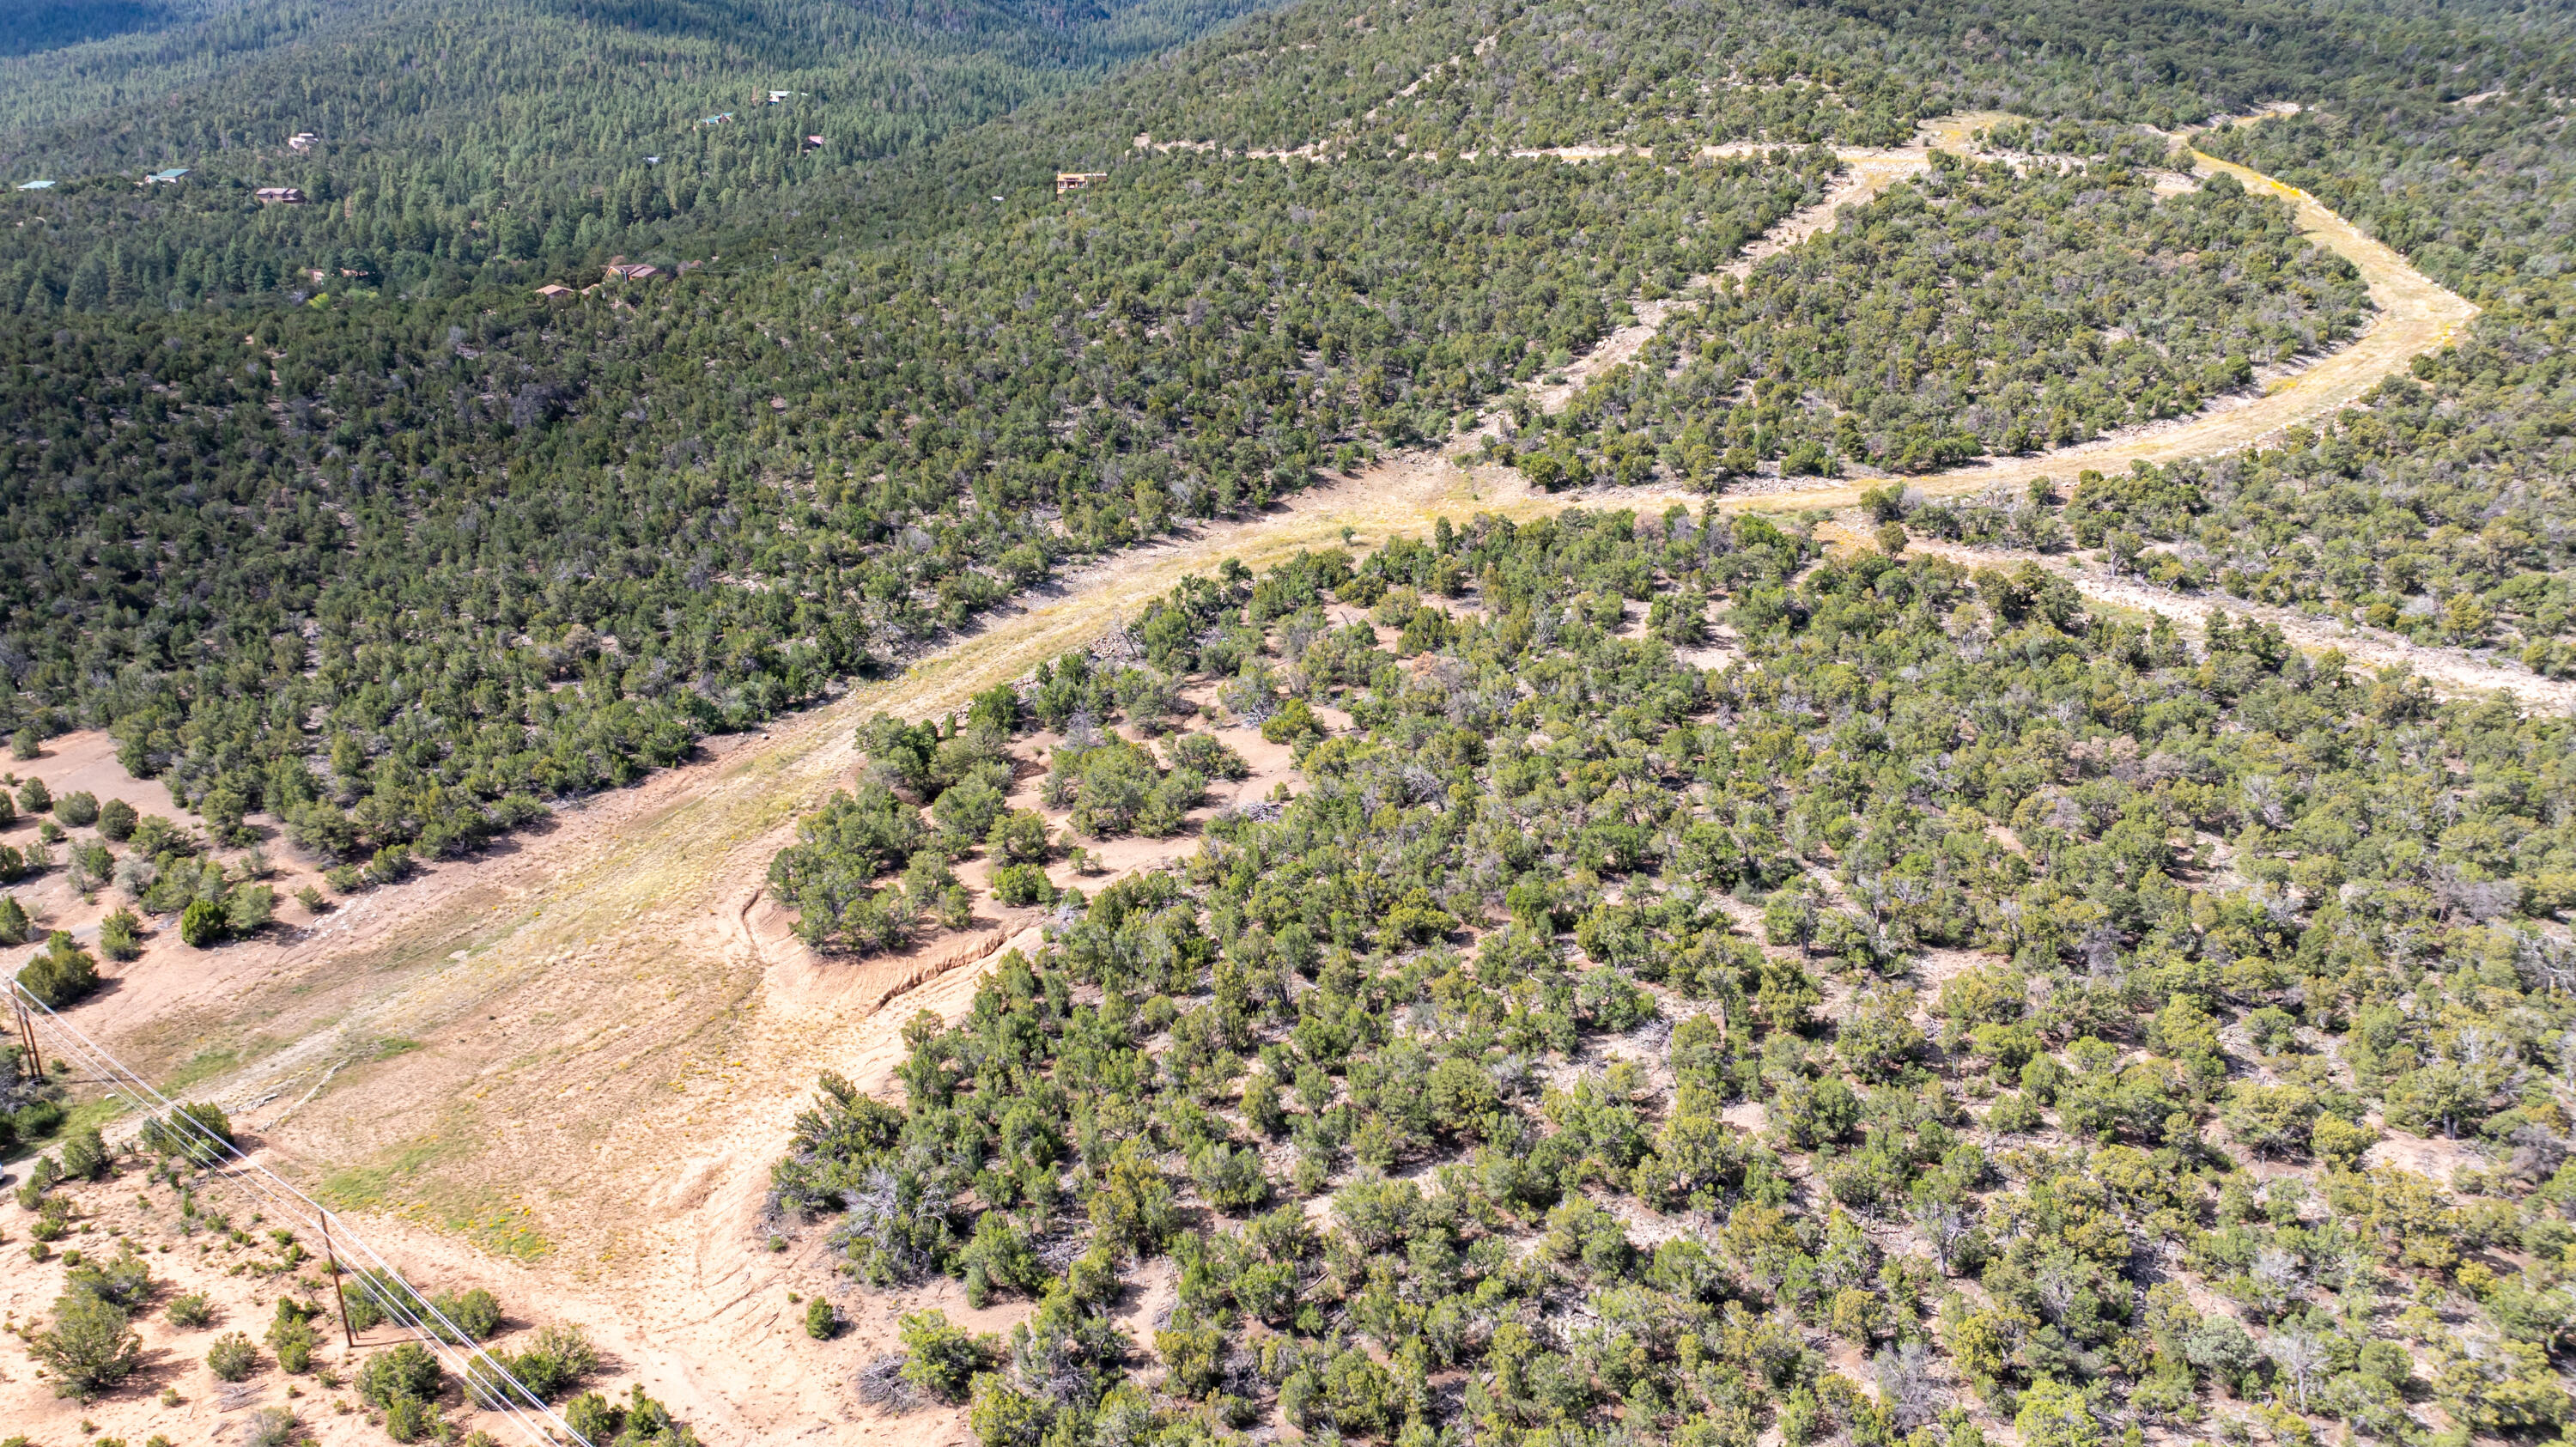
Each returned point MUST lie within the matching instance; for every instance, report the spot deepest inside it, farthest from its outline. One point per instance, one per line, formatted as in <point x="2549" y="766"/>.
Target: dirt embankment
<point x="564" y="1068"/>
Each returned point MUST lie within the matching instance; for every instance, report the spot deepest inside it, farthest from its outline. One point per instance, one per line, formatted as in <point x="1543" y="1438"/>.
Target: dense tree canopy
<point x="2027" y="930"/>
<point x="1978" y="310"/>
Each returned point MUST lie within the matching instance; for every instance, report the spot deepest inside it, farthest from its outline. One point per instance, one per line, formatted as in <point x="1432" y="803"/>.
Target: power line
<point x="396" y="1301"/>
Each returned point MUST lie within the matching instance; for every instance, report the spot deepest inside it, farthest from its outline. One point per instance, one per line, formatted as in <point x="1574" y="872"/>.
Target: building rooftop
<point x="35" y="185"/>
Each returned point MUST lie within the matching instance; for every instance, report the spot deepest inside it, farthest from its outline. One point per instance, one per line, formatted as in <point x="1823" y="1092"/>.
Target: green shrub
<point x="822" y="1323"/>
<point x="36" y="1120"/>
<point x="486" y="1384"/>
<point x="85" y="1156"/>
<point x="592" y="1417"/>
<point x="62" y="975"/>
<point x="1209" y="755"/>
<point x="77" y="810"/>
<point x="123" y="1281"/>
<point x="14" y="923"/>
<point x="476" y="1313"/>
<point x="248" y="908"/>
<point x="407" y="1371"/>
<point x="1019" y="837"/>
<point x="40" y="1178"/>
<point x="53" y="1219"/>
<point x="2013" y="1113"/>
<point x="391" y="865"/>
<point x="558" y="1359"/>
<point x="89" y="1347"/>
<point x="232" y="1358"/>
<point x="1229" y="1179"/>
<point x="943" y="1359"/>
<point x="193" y="1131"/>
<point x="120" y="935"/>
<point x="380" y="1296"/>
<point x="409" y="1419"/>
<point x="201" y="924"/>
<point x="34" y="797"/>
<point x="116" y="821"/>
<point x="1021" y="884"/>
<point x="291" y="1335"/>
<point x="1294" y="723"/>
<point x="194" y="1309"/>
<point x="966" y="811"/>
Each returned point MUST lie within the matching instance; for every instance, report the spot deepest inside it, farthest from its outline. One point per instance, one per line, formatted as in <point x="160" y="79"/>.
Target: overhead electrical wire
<point x="400" y="1302"/>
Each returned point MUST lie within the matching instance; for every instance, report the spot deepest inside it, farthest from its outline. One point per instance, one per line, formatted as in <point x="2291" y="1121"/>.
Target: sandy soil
<point x="562" y="1069"/>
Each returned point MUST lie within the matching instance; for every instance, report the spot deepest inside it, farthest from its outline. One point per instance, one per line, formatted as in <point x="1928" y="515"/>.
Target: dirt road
<point x="2448" y="670"/>
<point x="566" y="1068"/>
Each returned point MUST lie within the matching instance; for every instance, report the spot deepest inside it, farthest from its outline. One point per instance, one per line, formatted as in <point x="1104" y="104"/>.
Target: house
<point x="302" y="141"/>
<point x="551" y="292"/>
<point x="1077" y="180"/>
<point x="317" y="275"/>
<point x="620" y="269"/>
<point x="781" y="97"/>
<point x="35" y="185"/>
<point x="813" y="142"/>
<point x="280" y="195"/>
<point x="652" y="160"/>
<point x="165" y="178"/>
<point x="715" y="120"/>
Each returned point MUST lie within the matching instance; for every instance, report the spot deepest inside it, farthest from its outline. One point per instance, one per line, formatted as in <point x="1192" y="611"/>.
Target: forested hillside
<point x="1958" y="1009"/>
<point x="564" y="91"/>
<point x="452" y="138"/>
<point x="333" y="544"/>
<point x="2442" y="510"/>
<point x="1978" y="311"/>
<point x="1657" y="979"/>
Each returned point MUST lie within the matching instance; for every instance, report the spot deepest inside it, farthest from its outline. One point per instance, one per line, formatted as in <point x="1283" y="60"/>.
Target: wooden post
<point x="27" y="1033"/>
<point x="347" y="1334"/>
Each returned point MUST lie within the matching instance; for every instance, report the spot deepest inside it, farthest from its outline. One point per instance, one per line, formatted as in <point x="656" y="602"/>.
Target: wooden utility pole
<point x="347" y="1334"/>
<point x="33" y="1057"/>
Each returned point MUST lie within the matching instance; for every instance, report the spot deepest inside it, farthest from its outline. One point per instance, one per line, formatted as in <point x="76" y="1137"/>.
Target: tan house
<point x="1077" y="180"/>
<point x="551" y="292"/>
<point x="280" y="195"/>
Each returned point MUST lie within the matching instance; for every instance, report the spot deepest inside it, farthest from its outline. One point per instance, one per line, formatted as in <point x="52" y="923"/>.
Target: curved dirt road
<point x="608" y="1049"/>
